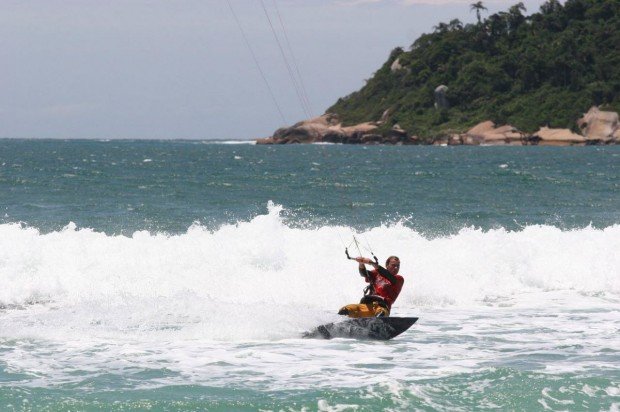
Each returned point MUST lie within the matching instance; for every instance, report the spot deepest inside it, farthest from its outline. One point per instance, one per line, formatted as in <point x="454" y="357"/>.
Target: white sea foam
<point x="230" y="142"/>
<point x="264" y="261"/>
<point x="193" y="301"/>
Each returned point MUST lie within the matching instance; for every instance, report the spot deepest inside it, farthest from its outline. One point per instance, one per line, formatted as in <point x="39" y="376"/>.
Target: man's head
<point x="392" y="264"/>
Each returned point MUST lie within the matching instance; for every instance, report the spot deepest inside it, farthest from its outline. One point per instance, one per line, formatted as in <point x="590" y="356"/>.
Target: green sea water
<point x="180" y="275"/>
<point x="117" y="186"/>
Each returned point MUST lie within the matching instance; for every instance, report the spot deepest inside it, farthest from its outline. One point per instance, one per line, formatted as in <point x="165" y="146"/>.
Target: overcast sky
<point x="181" y="69"/>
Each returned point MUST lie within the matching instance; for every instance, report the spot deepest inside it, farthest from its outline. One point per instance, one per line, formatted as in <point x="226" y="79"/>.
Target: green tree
<point x="478" y="7"/>
<point x="528" y="71"/>
<point x="515" y="17"/>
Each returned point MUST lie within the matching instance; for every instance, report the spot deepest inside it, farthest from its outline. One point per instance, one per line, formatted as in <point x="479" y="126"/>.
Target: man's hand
<point x="364" y="260"/>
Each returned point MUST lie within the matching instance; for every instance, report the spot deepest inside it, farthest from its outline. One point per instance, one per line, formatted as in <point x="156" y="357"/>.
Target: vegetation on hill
<point x="528" y="71"/>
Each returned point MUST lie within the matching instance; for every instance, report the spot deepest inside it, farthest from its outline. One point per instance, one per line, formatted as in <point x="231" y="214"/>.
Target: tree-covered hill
<point x="528" y="71"/>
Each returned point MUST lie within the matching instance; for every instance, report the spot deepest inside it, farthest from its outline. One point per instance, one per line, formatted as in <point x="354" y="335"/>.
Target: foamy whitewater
<point x="211" y="317"/>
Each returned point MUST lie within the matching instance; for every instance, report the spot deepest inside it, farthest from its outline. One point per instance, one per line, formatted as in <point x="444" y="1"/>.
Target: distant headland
<point x="551" y="78"/>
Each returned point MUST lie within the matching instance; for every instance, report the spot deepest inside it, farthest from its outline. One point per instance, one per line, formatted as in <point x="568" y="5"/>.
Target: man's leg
<point x="379" y="311"/>
<point x="357" y="310"/>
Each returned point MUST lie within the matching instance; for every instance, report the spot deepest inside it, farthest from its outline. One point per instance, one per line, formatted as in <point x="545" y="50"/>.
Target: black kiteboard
<point x="382" y="328"/>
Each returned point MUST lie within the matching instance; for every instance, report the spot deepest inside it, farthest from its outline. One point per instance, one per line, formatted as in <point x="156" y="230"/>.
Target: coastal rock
<point x="328" y="128"/>
<point x="441" y="141"/>
<point x="361" y="128"/>
<point x="599" y="127"/>
<point x="557" y="137"/>
<point x="371" y="139"/>
<point x="486" y="133"/>
<point x="455" y="140"/>
<point x="307" y="131"/>
<point x="398" y="132"/>
<point x="334" y="136"/>
<point x="266" y="140"/>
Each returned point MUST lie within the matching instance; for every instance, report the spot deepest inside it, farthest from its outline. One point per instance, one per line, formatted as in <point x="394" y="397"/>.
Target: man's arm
<point x="384" y="272"/>
<point x="361" y="268"/>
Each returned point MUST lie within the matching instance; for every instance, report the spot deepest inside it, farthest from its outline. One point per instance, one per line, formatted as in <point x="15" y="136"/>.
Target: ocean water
<point x="180" y="275"/>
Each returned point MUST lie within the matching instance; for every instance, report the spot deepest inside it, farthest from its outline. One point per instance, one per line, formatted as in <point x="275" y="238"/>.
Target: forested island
<point x="552" y="77"/>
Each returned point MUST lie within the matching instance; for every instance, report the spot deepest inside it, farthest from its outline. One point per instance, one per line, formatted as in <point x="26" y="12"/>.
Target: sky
<point x="163" y="69"/>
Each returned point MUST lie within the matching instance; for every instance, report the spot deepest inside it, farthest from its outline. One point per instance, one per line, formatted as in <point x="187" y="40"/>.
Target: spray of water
<point x="263" y="278"/>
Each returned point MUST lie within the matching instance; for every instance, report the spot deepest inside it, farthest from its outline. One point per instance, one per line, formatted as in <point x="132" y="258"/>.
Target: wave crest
<point x="264" y="261"/>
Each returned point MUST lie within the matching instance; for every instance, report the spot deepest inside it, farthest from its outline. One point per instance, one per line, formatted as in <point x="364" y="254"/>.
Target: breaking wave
<point x="255" y="271"/>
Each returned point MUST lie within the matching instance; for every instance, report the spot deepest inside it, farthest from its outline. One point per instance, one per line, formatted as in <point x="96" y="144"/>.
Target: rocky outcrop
<point x="486" y="133"/>
<point x="328" y="128"/>
<point x="556" y="137"/>
<point x="306" y="131"/>
<point x="599" y="127"/>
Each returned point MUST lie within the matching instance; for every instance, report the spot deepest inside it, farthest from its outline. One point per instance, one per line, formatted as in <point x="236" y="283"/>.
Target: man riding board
<point x="384" y="287"/>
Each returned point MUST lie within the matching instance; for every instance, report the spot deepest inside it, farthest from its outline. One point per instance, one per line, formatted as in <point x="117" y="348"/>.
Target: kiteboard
<point x="382" y="328"/>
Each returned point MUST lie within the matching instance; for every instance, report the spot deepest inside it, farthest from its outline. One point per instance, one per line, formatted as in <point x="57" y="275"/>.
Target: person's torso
<point x="385" y="289"/>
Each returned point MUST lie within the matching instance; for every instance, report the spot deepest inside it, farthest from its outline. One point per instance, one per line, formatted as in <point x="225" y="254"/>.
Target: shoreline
<point x="596" y="128"/>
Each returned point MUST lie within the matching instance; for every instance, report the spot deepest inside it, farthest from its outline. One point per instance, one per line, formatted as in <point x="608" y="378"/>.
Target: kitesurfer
<point x="384" y="286"/>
